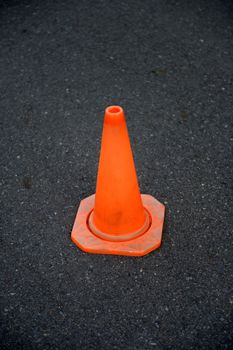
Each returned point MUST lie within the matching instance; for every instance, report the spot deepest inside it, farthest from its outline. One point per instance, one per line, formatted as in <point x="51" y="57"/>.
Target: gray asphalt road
<point x="169" y="64"/>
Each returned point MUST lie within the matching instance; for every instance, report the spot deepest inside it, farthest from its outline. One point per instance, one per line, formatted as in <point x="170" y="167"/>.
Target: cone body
<point x="118" y="206"/>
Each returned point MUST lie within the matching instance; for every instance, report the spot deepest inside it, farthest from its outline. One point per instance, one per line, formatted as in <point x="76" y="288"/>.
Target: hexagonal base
<point x="142" y="245"/>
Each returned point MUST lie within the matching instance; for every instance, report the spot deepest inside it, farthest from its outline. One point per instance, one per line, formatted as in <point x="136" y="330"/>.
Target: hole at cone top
<point x="114" y="109"/>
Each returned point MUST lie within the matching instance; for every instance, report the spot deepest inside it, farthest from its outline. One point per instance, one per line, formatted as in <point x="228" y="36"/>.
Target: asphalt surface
<point x="169" y="65"/>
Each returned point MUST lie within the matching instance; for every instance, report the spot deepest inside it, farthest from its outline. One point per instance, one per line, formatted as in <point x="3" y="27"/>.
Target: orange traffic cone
<point x="118" y="220"/>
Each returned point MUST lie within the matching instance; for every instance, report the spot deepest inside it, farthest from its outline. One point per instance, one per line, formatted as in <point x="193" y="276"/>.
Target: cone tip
<point x="114" y="114"/>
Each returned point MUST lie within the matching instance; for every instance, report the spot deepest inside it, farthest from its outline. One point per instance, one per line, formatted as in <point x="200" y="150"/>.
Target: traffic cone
<point x="117" y="219"/>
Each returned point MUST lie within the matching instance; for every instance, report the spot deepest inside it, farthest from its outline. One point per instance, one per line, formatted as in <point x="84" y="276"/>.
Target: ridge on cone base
<point x="118" y="219"/>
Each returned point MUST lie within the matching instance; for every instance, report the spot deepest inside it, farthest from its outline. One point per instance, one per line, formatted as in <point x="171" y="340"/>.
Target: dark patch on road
<point x="159" y="72"/>
<point x="27" y="182"/>
<point x="184" y="115"/>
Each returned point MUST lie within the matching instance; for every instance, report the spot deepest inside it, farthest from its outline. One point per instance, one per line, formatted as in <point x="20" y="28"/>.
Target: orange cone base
<point x="83" y="237"/>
